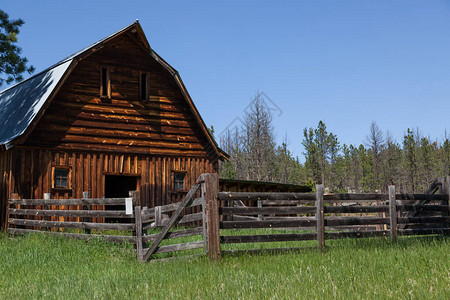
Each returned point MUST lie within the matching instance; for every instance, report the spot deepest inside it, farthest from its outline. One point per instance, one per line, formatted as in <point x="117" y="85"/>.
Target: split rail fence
<point x="223" y="222"/>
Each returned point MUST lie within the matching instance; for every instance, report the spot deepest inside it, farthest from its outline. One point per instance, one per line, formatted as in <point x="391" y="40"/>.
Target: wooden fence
<point x="80" y="217"/>
<point x="211" y="219"/>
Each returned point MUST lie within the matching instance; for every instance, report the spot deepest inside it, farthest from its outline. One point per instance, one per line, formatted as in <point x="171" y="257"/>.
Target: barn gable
<point x="78" y="117"/>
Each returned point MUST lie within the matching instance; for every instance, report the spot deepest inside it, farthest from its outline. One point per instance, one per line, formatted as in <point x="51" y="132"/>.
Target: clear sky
<point x="347" y="63"/>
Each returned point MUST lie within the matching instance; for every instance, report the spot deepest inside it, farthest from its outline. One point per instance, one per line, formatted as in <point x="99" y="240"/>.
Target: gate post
<point x="212" y="215"/>
<point x="320" y="217"/>
<point x="393" y="213"/>
<point x="138" y="233"/>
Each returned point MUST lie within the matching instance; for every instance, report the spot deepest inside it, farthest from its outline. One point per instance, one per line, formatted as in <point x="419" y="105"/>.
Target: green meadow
<point x="40" y="266"/>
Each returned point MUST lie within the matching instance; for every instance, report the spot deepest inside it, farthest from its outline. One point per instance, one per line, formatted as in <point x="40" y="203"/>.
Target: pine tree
<point x="12" y="65"/>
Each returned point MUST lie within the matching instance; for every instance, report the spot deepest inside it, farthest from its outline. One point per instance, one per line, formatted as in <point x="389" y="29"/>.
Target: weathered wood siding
<point x="78" y="119"/>
<point x="4" y="186"/>
<point x="32" y="170"/>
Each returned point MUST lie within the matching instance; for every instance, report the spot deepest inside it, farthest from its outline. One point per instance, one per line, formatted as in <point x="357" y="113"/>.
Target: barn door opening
<point x="118" y="186"/>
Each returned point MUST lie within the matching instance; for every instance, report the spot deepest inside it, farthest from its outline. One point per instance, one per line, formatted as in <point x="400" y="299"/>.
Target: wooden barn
<point x="108" y="119"/>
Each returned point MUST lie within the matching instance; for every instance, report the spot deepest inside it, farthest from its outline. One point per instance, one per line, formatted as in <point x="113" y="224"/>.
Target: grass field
<point x="38" y="266"/>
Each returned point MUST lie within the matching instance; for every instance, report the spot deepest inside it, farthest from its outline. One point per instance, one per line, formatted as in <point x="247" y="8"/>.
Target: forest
<point x="379" y="161"/>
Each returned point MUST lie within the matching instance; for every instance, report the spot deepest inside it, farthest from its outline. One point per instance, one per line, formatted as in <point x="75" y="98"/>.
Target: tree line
<point x="372" y="166"/>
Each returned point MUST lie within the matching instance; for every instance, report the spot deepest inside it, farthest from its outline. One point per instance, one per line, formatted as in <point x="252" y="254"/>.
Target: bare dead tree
<point x="375" y="140"/>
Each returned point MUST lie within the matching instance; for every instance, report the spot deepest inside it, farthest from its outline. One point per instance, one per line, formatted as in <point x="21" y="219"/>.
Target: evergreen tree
<point x="12" y="65"/>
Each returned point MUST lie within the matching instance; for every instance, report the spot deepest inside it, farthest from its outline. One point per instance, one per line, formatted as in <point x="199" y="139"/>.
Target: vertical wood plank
<point x="86" y="207"/>
<point x="204" y="220"/>
<point x="158" y="216"/>
<point x="393" y="213"/>
<point x="320" y="217"/>
<point x="212" y="216"/>
<point x="138" y="235"/>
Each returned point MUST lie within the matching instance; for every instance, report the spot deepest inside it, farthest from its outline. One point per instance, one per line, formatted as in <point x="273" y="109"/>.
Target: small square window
<point x="61" y="178"/>
<point x="178" y="181"/>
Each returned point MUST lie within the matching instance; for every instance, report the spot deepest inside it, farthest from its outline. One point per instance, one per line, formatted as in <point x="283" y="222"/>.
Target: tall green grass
<point x="39" y="266"/>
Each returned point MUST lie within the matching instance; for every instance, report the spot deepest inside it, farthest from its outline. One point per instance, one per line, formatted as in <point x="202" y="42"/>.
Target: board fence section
<point x="212" y="223"/>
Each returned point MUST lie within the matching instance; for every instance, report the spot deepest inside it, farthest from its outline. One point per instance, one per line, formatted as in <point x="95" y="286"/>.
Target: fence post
<point x="393" y="213"/>
<point x="446" y="213"/>
<point x="14" y="196"/>
<point x="204" y="220"/>
<point x="320" y="217"/>
<point x="158" y="216"/>
<point x="86" y="207"/>
<point x="212" y="216"/>
<point x="138" y="234"/>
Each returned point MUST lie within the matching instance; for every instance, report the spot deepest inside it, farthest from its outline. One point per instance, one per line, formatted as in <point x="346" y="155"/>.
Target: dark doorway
<point x="117" y="186"/>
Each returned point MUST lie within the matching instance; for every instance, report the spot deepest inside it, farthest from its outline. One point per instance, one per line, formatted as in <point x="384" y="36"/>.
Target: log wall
<point x="79" y="119"/>
<point x="32" y="173"/>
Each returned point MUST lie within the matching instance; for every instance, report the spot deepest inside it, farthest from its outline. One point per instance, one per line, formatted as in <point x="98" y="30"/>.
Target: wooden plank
<point x="420" y="197"/>
<point x="71" y="213"/>
<point x="303" y="222"/>
<point x="186" y="201"/>
<point x="180" y="247"/>
<point x="424" y="231"/>
<point x="81" y="236"/>
<point x="139" y="231"/>
<point x="78" y="225"/>
<point x="393" y="213"/>
<point x="355" y="209"/>
<point x="174" y="234"/>
<point x="92" y="201"/>
<point x="266" y="210"/>
<point x="268" y="250"/>
<point x="320" y="224"/>
<point x="424" y="220"/>
<point x="327" y="198"/>
<point x="231" y="239"/>
<point x="211" y="182"/>
<point x="191" y="218"/>
<point x="356" y="234"/>
<point x="340" y="221"/>
<point x="420" y="208"/>
<point x="264" y="196"/>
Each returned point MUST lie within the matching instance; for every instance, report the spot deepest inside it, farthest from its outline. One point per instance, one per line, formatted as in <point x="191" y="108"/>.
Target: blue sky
<point x="347" y="63"/>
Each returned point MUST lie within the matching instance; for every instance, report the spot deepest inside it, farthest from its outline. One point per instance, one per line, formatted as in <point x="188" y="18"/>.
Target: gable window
<point x="105" y="84"/>
<point x="178" y="180"/>
<point x="143" y="80"/>
<point x="61" y="177"/>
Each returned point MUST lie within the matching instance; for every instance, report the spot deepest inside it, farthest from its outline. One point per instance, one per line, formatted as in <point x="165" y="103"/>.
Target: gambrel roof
<point x="22" y="105"/>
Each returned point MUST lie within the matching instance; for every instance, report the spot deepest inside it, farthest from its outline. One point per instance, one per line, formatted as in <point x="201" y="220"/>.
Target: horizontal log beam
<point x="81" y="236"/>
<point x="71" y="213"/>
<point x="174" y="234"/>
<point x="355" y="209"/>
<point x="75" y="225"/>
<point x="423" y="231"/>
<point x="178" y="247"/>
<point x="99" y="201"/>
<point x="339" y="221"/>
<point x="305" y="222"/>
<point x="231" y="239"/>
<point x="266" y="210"/>
<point x="424" y="220"/>
<point x="355" y="234"/>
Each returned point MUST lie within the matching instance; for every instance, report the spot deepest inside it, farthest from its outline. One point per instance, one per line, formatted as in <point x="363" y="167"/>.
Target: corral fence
<point x="217" y="223"/>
